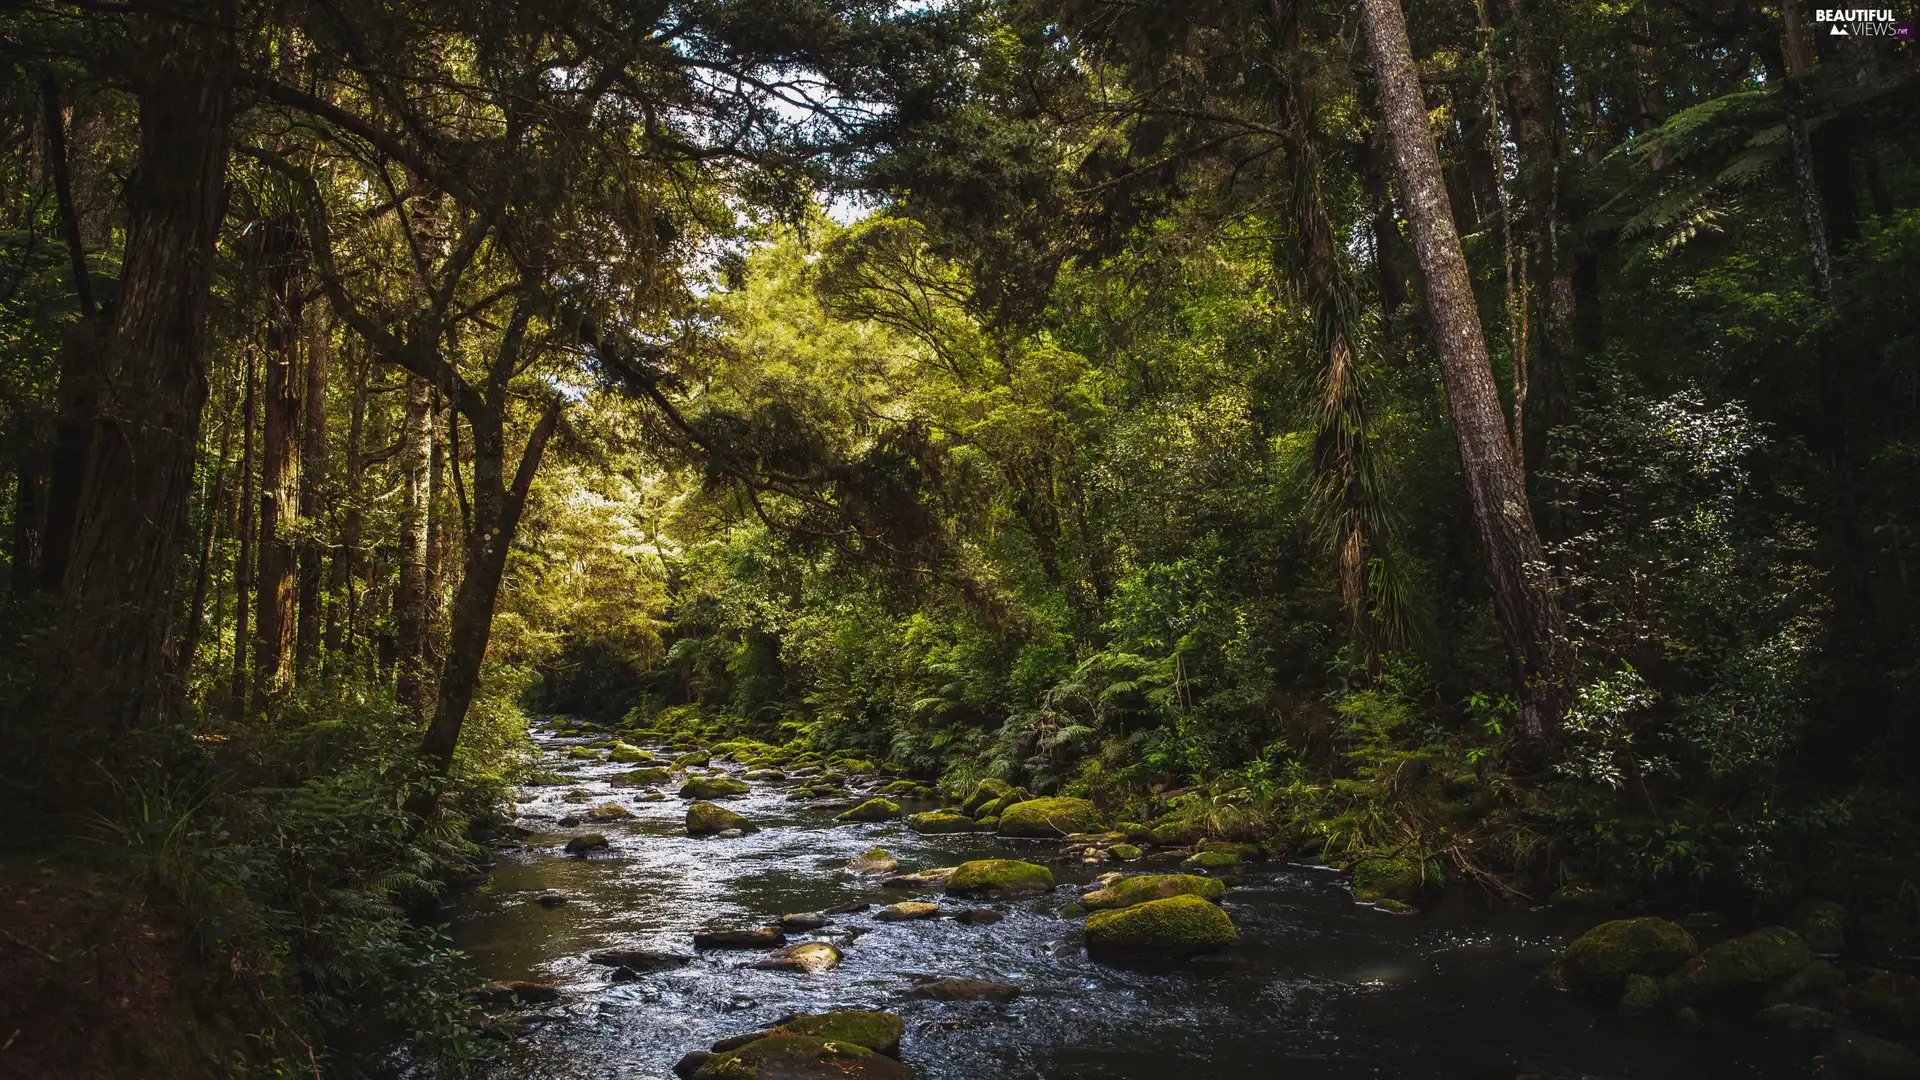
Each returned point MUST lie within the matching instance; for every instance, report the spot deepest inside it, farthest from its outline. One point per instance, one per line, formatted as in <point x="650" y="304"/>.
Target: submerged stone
<point x="903" y="912"/>
<point x="925" y="879"/>
<point x="875" y="861"/>
<point x="638" y="959"/>
<point x="762" y="938"/>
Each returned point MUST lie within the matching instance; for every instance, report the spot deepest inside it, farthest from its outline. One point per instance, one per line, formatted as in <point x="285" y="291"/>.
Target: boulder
<point x="999" y="878"/>
<point x="1213" y="860"/>
<point x="621" y="752"/>
<point x="1178" y="926"/>
<point x="551" y="898"/>
<point x="1177" y="833"/>
<point x="640" y="778"/>
<point x="1639" y="995"/>
<point x="651" y="796"/>
<point x="689" y="1064"/>
<point x="1750" y="961"/>
<point x="762" y="938"/>
<point x="872" y="810"/>
<point x="875" y="861"/>
<point x="1886" y="997"/>
<point x="925" y="879"/>
<point x="984" y="792"/>
<point x="1600" y="960"/>
<point x="811" y="957"/>
<point x="1138" y="890"/>
<point x="1125" y="852"/>
<point x="965" y="990"/>
<point x="999" y="806"/>
<point x="804" y="920"/>
<point x="879" y="1032"/>
<point x="901" y="789"/>
<point x="940" y="821"/>
<point x="692" y="757"/>
<point x="1822" y="924"/>
<point x="1819" y="985"/>
<point x="706" y="819"/>
<point x="713" y="787"/>
<point x="638" y="959"/>
<point x="1859" y="1055"/>
<point x="903" y="912"/>
<point x="584" y="843"/>
<point x="978" y="916"/>
<point x="801" y="1057"/>
<point x="1805" y="1027"/>
<point x="1049" y="817"/>
<point x="612" y="811"/>
<point x="496" y="995"/>
<point x="1393" y="878"/>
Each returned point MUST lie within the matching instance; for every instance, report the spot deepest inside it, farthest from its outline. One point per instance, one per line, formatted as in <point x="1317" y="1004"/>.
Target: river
<point x="1319" y="987"/>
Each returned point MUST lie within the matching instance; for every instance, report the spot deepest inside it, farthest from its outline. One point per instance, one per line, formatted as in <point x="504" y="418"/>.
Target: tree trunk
<point x="243" y="552"/>
<point x="133" y="506"/>
<point x="496" y="517"/>
<point x="1531" y="625"/>
<point x="49" y="540"/>
<point x="29" y="489"/>
<point x="214" y="502"/>
<point x="410" y="595"/>
<point x="343" y="598"/>
<point x="313" y="480"/>
<point x="279" y="471"/>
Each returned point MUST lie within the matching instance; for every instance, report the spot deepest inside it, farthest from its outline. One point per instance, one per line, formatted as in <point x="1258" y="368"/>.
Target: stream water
<point x="1318" y="988"/>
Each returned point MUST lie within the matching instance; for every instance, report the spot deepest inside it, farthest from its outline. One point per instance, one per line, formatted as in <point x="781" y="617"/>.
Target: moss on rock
<point x="1600" y="960"/>
<point x="940" y="821"/>
<point x="713" y="787"/>
<point x="1176" y="926"/>
<point x="1138" y="890"/>
<point x="1638" y="995"/>
<point x="999" y="877"/>
<point x="879" y="1032"/>
<point x="621" y="752"/>
<point x="692" y="757"/>
<point x="800" y="1057"/>
<point x="872" y="810"/>
<point x="584" y="843"/>
<point x="984" y="792"/>
<point x="1214" y="860"/>
<point x="1769" y="953"/>
<point x="705" y="819"/>
<point x="1393" y="878"/>
<point x="1049" y="817"/>
<point x="640" y="778"/>
<point x="1125" y="852"/>
<point x="1177" y="833"/>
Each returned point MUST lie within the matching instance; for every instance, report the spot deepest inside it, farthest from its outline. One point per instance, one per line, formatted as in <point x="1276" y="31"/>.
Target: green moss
<point x="1138" y="890"/>
<point x="999" y="806"/>
<point x="713" y="787"/>
<point x="940" y="821"/>
<point x="900" y="788"/>
<point x="1178" y="925"/>
<point x="692" y="757"/>
<point x="621" y="752"/>
<point x="1214" y="860"/>
<point x="1638" y="995"/>
<point x="1393" y="878"/>
<point x="583" y="753"/>
<point x="640" y="778"/>
<point x="547" y="779"/>
<point x="705" y="818"/>
<point x="1600" y="960"/>
<point x="999" y="877"/>
<point x="1049" y="817"/>
<point x="1125" y="852"/>
<point x="984" y="792"/>
<point x="788" y="1056"/>
<point x="1134" y="832"/>
<point x="585" y="842"/>
<point x="1769" y="953"/>
<point x="877" y="1031"/>
<point x="872" y="810"/>
<point x="612" y="811"/>
<point x="1178" y="833"/>
<point x="987" y="824"/>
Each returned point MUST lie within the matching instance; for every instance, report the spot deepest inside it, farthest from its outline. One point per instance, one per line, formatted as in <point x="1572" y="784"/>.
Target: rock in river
<point x="763" y="938"/>
<point x="801" y="1057"/>
<point x="612" y="811"/>
<point x="872" y="810"/>
<point x="875" y="861"/>
<point x="965" y="990"/>
<point x="879" y="1032"/>
<point x="999" y="877"/>
<point x="639" y="778"/>
<point x="1178" y="926"/>
<point x="713" y="787"/>
<point x="638" y="959"/>
<point x="1138" y="890"/>
<point x="978" y="916"/>
<point x="813" y="956"/>
<point x="1752" y="960"/>
<point x="1599" y="961"/>
<point x="1049" y="817"/>
<point x="925" y="879"/>
<point x="705" y="819"/>
<point x="912" y="909"/>
<point x="940" y="821"/>
<point x="584" y="843"/>
<point x="804" y="920"/>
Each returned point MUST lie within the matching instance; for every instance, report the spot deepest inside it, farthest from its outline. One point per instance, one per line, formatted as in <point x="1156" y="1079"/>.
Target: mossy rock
<point x="907" y="911"/>
<point x="578" y="795"/>
<point x="801" y="1057"/>
<point x="1059" y="816"/>
<point x="987" y="824"/>
<point x="875" y="861"/>
<point x="640" y="778"/>
<point x="1135" y="832"/>
<point x="1175" y="927"/>
<point x="999" y="877"/>
<point x="766" y="774"/>
<point x="1177" y="833"/>
<point x="713" y="787"/>
<point x="1804" y="1026"/>
<point x="1214" y="860"/>
<point x="1886" y="997"/>
<point x="1599" y="961"/>
<point x="583" y="753"/>
<point x="1138" y="890"/>
<point x="902" y="788"/>
<point x="1393" y="878"/>
<point x="1751" y="960"/>
<point x="984" y="792"/>
<point x="692" y="757"/>
<point x="1857" y="1054"/>
<point x="879" y="1032"/>
<point x="857" y="765"/>
<point x="1638" y="995"/>
<point x="584" y="843"/>
<point x="625" y="754"/>
<point x="1125" y="852"/>
<point x="548" y="779"/>
<point x="872" y="810"/>
<point x="1822" y="924"/>
<point x="998" y="807"/>
<point x="705" y="819"/>
<point x="940" y="821"/>
<point x="612" y="811"/>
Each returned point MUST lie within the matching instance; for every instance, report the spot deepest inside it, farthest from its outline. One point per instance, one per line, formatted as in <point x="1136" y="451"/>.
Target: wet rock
<point x="1138" y="890"/>
<point x="577" y="796"/>
<point x="910" y="909"/>
<point x="1600" y="960"/>
<point x="569" y="821"/>
<point x="638" y="959"/>
<point x="1805" y="1027"/>
<point x="1752" y="960"/>
<point x="729" y="834"/>
<point x="1394" y="878"/>
<point x="1639" y="995"/>
<point x="689" y="1065"/>
<point x="925" y="879"/>
<point x="984" y="792"/>
<point x="706" y="819"/>
<point x="1819" y="985"/>
<point x="612" y="811"/>
<point x="986" y="824"/>
<point x="766" y="774"/>
<point x="1822" y="924"/>
<point x="999" y="877"/>
<point x="713" y="787"/>
<point x="801" y="1057"/>
<point x="1855" y="1054"/>
<point x="1125" y="852"/>
<point x="621" y="752"/>
<point x="812" y="957"/>
<point x="965" y="990"/>
<point x="847" y="909"/>
<point x="1177" y="833"/>
<point x="1175" y="927"/>
<point x="692" y="758"/>
<point x="640" y="778"/>
<point x="735" y="1042"/>
<point x="551" y="899"/>
<point x="651" y="796"/>
<point x="762" y="938"/>
<point x="498" y="995"/>
<point x="935" y="822"/>
<point x="804" y="920"/>
<point x="872" y="810"/>
<point x="1215" y="860"/>
<point x="901" y="789"/>
<point x="1134" y="832"/>
<point x="879" y="1032"/>
<point x="582" y="753"/>
<point x="875" y="861"/>
<point x="978" y="916"/>
<point x="584" y="843"/>
<point x="1049" y="817"/>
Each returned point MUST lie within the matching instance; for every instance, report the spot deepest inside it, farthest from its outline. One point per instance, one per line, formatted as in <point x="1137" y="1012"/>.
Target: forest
<point x="1472" y="446"/>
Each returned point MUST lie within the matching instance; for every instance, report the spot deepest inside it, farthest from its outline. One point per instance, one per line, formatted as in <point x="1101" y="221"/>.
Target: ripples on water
<point x="1318" y="988"/>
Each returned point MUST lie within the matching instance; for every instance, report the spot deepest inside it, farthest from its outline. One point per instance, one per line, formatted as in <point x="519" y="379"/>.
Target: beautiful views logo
<point x="1863" y="22"/>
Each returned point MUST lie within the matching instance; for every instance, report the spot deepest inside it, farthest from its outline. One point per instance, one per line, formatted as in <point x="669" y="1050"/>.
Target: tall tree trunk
<point x="343" y="597"/>
<point x="496" y="518"/>
<point x="132" y="515"/>
<point x="313" y="482"/>
<point x="29" y="491"/>
<point x="437" y="537"/>
<point x="243" y="551"/>
<point x="410" y="594"/>
<point x="279" y="471"/>
<point x="1531" y="624"/>
<point x="214" y="502"/>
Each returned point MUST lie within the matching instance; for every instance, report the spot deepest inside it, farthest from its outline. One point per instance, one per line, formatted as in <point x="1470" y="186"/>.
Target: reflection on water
<point x="1318" y="988"/>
